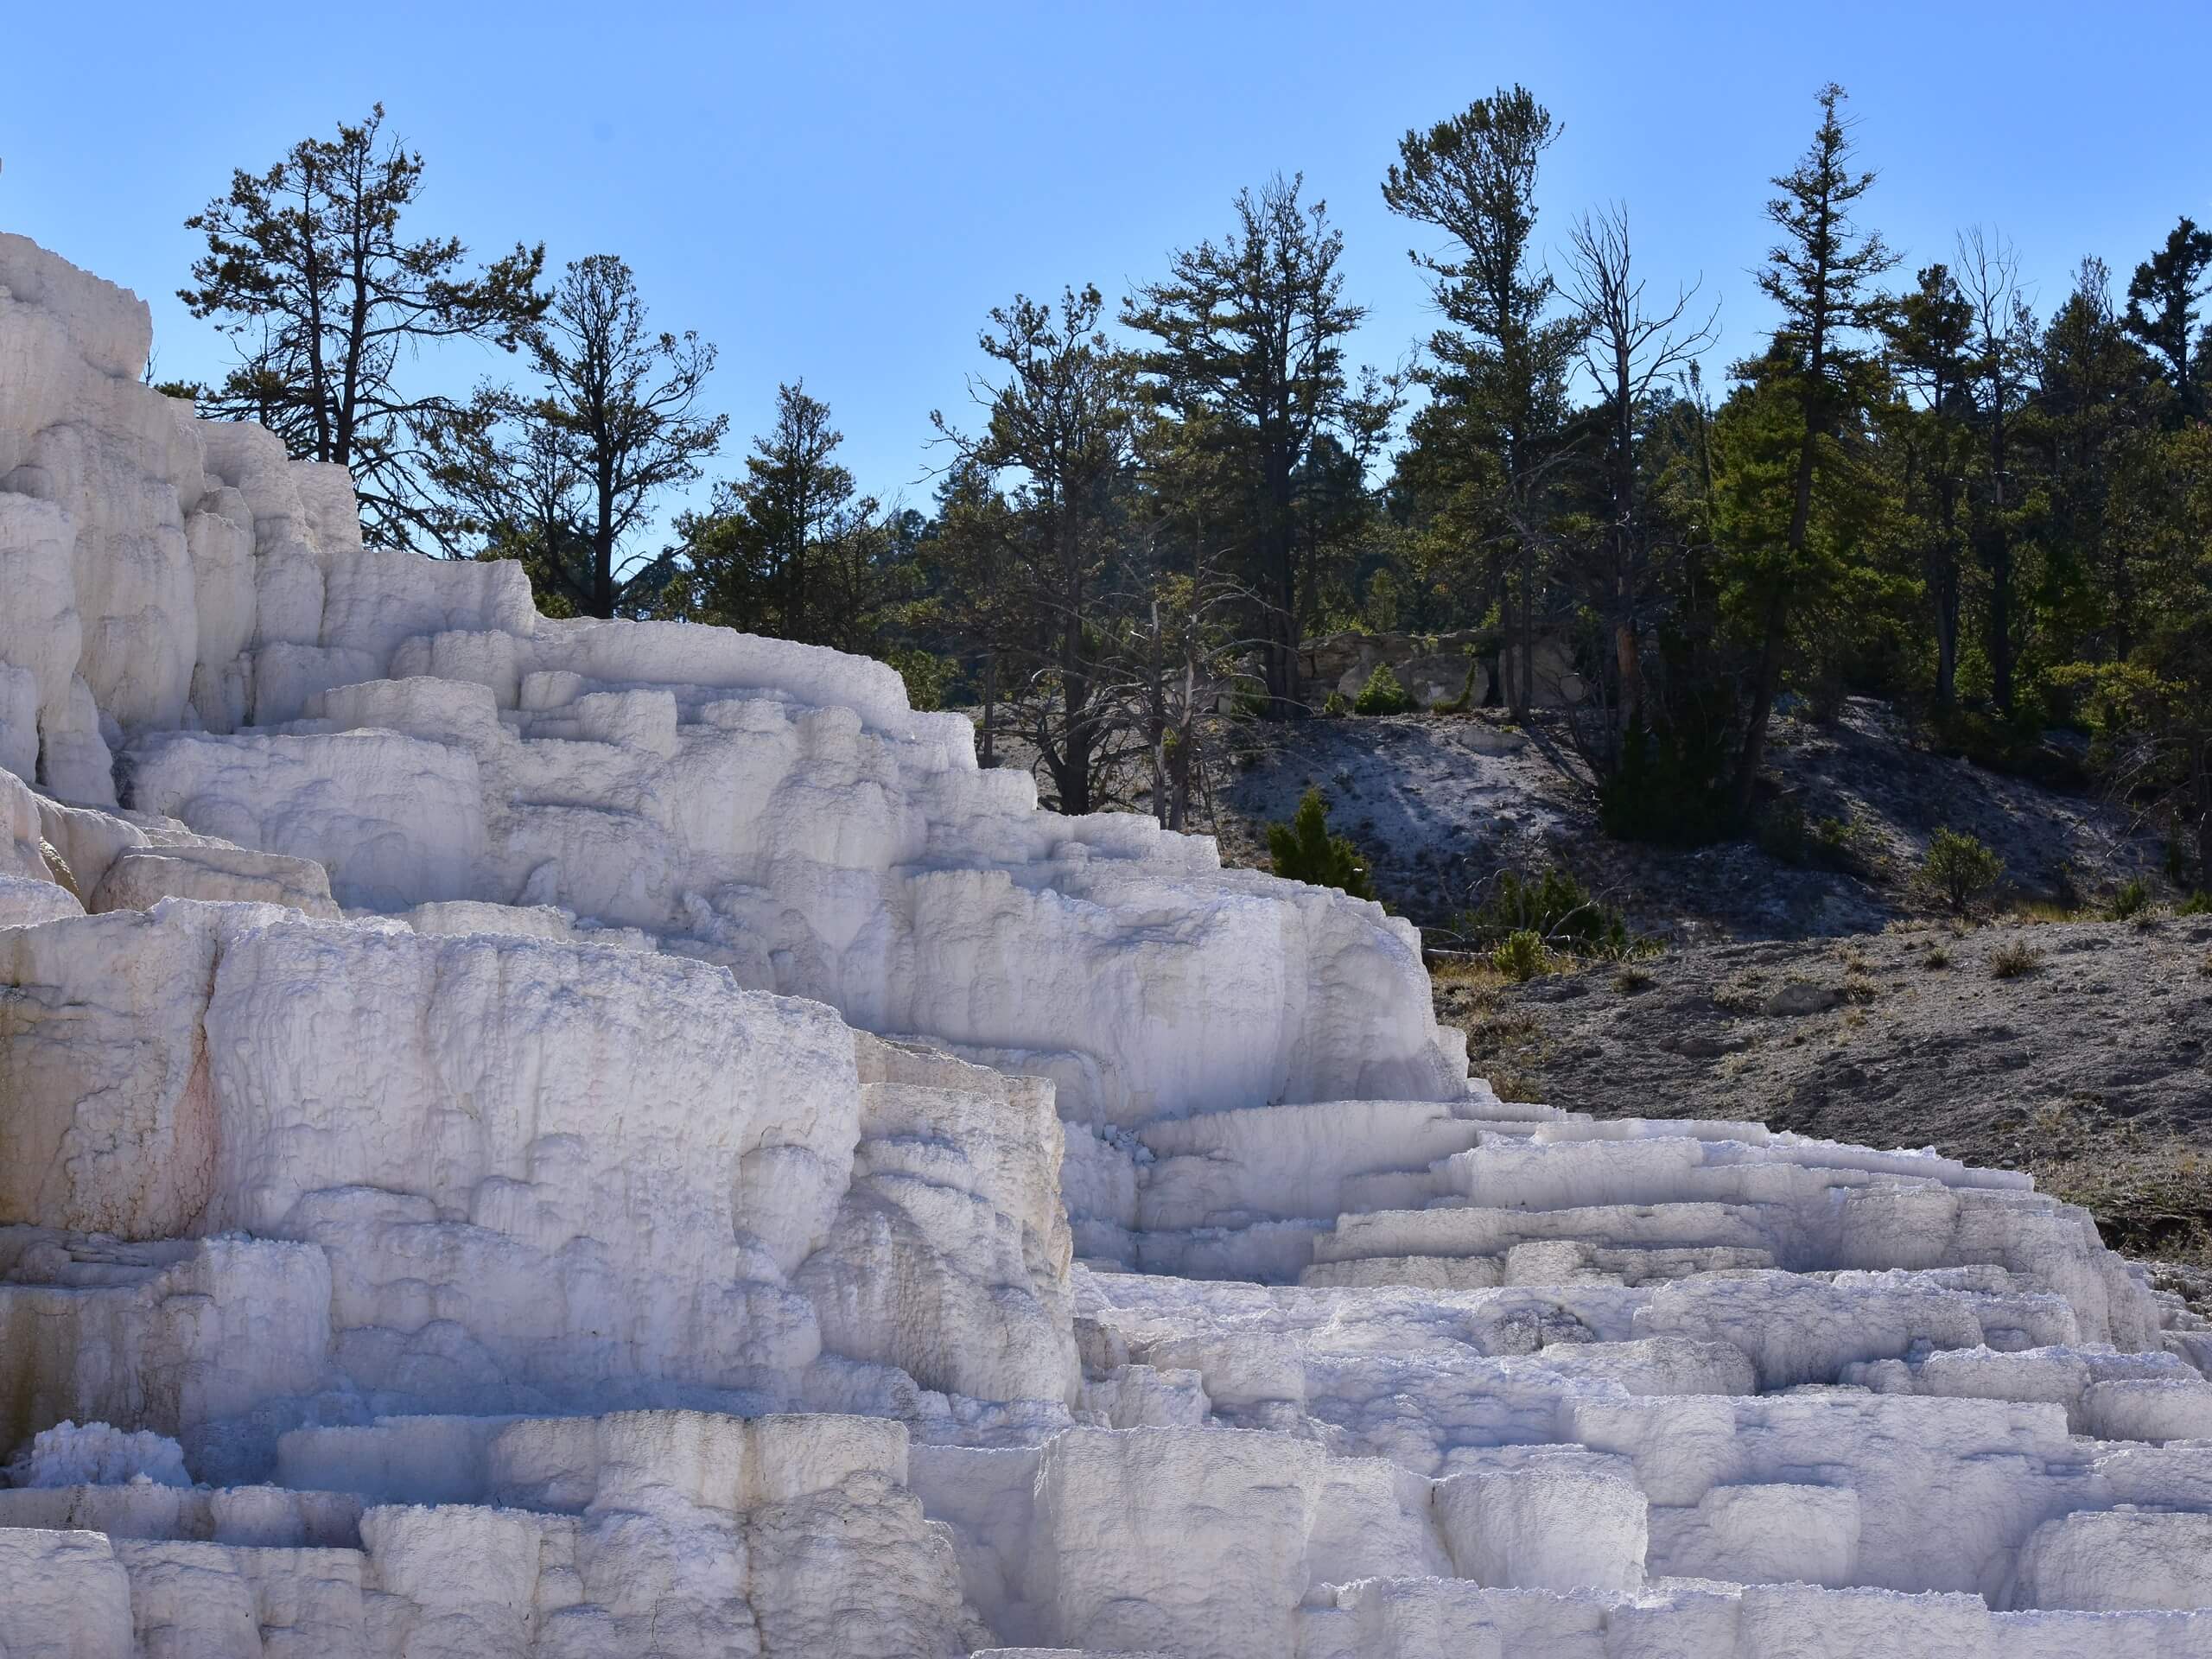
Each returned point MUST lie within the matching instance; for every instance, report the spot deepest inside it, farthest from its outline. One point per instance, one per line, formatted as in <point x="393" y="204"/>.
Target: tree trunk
<point x="1074" y="780"/>
<point x="2000" y="621"/>
<point x="1282" y="644"/>
<point x="1181" y="759"/>
<point x="1155" y="693"/>
<point x="1627" y="655"/>
<point x="2000" y="586"/>
<point x="1524" y="689"/>
<point x="2201" y="765"/>
<point x="1947" y="639"/>
<point x="1764" y="689"/>
<point x="602" y="549"/>
<point x="1775" y="646"/>
<point x="1629" y="661"/>
<point x="989" y="756"/>
<point x="318" y="376"/>
<point x="1946" y="598"/>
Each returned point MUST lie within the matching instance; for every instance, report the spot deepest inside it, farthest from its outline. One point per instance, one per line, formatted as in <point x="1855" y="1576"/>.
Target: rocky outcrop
<point x="1455" y="669"/>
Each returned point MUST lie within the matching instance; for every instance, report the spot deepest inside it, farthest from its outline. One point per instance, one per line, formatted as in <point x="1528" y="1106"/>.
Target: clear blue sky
<point x="841" y="193"/>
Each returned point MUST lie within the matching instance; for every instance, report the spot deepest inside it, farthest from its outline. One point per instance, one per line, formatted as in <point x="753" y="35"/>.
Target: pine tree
<point x="1248" y="335"/>
<point x="1822" y="273"/>
<point x="2162" y="300"/>
<point x="1930" y="338"/>
<point x="766" y="554"/>
<point x="1304" y="851"/>
<point x="565" y="477"/>
<point x="1474" y="177"/>
<point x="1058" y="425"/>
<point x="309" y="272"/>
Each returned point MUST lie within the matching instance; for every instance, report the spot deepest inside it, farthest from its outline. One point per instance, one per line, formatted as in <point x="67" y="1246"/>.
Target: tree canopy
<point x="1930" y="492"/>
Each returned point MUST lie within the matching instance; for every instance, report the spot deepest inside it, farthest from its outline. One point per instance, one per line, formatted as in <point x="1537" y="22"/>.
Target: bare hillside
<point x="2076" y="1051"/>
<point x="1439" y="802"/>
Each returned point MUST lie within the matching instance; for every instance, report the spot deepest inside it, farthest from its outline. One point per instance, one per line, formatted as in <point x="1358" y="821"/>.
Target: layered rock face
<point x="581" y="1139"/>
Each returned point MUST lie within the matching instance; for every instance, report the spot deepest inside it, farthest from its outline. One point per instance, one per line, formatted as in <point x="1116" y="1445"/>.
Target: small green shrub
<point x="1382" y="695"/>
<point x="2014" y="960"/>
<point x="1786" y="835"/>
<point x="1304" y="851"/>
<point x="1559" y="909"/>
<point x="1781" y="833"/>
<point x="1839" y="842"/>
<point x="1465" y="700"/>
<point x="1335" y="706"/>
<point x="2197" y="903"/>
<point x="2131" y="901"/>
<point x="1959" y="870"/>
<point x="1520" y="956"/>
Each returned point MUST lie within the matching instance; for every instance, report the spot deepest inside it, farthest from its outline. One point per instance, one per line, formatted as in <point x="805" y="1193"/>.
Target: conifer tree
<point x="774" y="552"/>
<point x="1930" y="337"/>
<point x="564" y="478"/>
<point x="1247" y="334"/>
<point x="2162" y="300"/>
<point x="1822" y="273"/>
<point x="329" y="301"/>
<point x="1500" y="360"/>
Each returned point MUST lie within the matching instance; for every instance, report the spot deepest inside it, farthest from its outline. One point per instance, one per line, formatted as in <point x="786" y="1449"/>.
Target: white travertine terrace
<point x="581" y="1140"/>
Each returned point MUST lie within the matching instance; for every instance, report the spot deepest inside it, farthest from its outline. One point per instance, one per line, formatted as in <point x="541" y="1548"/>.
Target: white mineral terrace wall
<point x="431" y="1229"/>
<point x="194" y="615"/>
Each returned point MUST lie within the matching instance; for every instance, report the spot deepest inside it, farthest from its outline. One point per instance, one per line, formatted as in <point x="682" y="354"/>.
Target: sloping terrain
<point x="2087" y="1064"/>
<point x="1439" y="802"/>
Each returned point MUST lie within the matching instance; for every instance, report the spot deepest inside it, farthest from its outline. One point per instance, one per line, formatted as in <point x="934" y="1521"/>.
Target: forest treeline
<point x="1918" y="487"/>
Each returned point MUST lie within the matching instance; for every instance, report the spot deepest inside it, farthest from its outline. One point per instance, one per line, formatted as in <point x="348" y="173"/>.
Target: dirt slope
<point x="2087" y="1065"/>
<point x="1440" y="803"/>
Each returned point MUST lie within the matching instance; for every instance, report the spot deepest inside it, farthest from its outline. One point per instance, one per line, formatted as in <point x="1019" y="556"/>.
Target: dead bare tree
<point x="2003" y="351"/>
<point x="1178" y="674"/>
<point x="1628" y="346"/>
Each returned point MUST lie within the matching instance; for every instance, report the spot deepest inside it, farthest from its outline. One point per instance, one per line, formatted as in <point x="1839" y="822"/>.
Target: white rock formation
<point x="98" y="1454"/>
<point x="432" y="1224"/>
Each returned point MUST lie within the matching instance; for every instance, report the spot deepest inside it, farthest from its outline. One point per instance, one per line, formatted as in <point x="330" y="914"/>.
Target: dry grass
<point x="1739" y="1064"/>
<point x="1463" y="968"/>
<point x="2039" y="912"/>
<point x="1510" y="1047"/>
<point x="1741" y="996"/>
<point x="2150" y="1191"/>
<point x="1508" y="1044"/>
<point x="2013" y="960"/>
